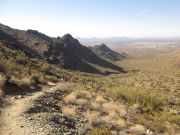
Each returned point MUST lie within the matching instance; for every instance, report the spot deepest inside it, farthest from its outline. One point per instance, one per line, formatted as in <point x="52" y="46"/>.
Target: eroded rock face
<point x="69" y="53"/>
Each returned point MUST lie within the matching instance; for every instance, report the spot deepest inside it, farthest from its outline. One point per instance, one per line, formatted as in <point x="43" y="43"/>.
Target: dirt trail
<point x="12" y="120"/>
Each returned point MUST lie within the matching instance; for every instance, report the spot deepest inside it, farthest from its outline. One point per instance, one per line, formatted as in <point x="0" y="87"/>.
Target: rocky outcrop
<point x="69" y="53"/>
<point x="107" y="53"/>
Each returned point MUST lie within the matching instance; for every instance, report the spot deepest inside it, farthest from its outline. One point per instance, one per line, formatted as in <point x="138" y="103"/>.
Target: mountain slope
<point x="106" y="53"/>
<point x="66" y="52"/>
<point x="30" y="38"/>
<point x="15" y="44"/>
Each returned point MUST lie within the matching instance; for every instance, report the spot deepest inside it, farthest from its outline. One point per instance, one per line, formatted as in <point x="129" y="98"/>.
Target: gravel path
<point x="36" y="113"/>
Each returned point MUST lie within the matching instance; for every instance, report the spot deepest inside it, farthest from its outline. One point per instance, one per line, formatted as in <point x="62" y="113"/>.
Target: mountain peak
<point x="68" y="40"/>
<point x="105" y="52"/>
<point x="68" y="36"/>
<point x="103" y="46"/>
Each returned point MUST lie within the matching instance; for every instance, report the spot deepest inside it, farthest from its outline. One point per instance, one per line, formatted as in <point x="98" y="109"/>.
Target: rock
<point x="51" y="84"/>
<point x="148" y="132"/>
<point x="41" y="129"/>
<point x="30" y="118"/>
<point x="20" y="96"/>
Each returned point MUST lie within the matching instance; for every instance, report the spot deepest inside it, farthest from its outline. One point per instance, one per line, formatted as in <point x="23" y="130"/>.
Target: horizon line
<point x="101" y="37"/>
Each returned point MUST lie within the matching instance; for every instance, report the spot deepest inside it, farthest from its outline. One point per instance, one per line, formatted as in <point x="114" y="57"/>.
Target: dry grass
<point x="78" y="97"/>
<point x="110" y="119"/>
<point x="98" y="110"/>
<point x="69" y="111"/>
<point x="92" y="116"/>
<point x="119" y="123"/>
<point x="26" y="81"/>
<point x="137" y="129"/>
<point x="83" y="95"/>
<point x="94" y="106"/>
<point x="113" y="121"/>
<point x="81" y="102"/>
<point x="71" y="98"/>
<point x="117" y="107"/>
<point x="64" y="87"/>
<point x="100" y="99"/>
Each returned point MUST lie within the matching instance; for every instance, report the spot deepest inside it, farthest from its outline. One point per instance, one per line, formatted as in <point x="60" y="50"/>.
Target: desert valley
<point x="59" y="86"/>
<point x="89" y="67"/>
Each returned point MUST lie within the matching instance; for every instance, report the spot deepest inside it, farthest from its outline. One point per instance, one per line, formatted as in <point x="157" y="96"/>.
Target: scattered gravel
<point x="44" y="116"/>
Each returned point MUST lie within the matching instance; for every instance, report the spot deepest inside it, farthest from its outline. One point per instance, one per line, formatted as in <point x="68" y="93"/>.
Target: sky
<point x="94" y="18"/>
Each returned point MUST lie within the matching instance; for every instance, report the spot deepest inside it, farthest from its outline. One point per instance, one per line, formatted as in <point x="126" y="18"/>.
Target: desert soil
<point x="35" y="113"/>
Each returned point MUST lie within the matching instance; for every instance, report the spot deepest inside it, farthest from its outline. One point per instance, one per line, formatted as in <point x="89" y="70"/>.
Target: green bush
<point x="99" y="131"/>
<point x="3" y="65"/>
<point x="175" y="119"/>
<point x="145" y="98"/>
<point x="47" y="69"/>
<point x="51" y="78"/>
<point x="21" y="58"/>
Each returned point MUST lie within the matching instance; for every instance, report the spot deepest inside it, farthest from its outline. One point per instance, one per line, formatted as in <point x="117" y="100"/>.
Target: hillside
<point x="65" y="52"/>
<point x="31" y="38"/>
<point x="105" y="52"/>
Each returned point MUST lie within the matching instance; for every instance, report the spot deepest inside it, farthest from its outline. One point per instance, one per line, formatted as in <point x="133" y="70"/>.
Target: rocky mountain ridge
<point x="66" y="51"/>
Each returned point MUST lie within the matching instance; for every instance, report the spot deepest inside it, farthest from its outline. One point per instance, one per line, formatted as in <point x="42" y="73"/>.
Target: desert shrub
<point x="79" y="97"/>
<point x="3" y="66"/>
<point x="2" y="82"/>
<point x="154" y="122"/>
<point x="75" y="78"/>
<point x="99" y="131"/>
<point x="23" y="82"/>
<point x="19" y="85"/>
<point x="35" y="61"/>
<point x="69" y="111"/>
<point x="51" y="78"/>
<point x="21" y="58"/>
<point x="42" y="80"/>
<point x="137" y="129"/>
<point x="147" y="99"/>
<point x="47" y="69"/>
<point x="175" y="119"/>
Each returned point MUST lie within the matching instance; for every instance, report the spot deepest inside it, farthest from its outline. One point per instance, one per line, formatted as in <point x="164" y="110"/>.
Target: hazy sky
<point x="94" y="18"/>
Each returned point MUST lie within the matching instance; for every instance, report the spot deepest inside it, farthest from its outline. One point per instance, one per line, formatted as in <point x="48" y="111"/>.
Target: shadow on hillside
<point x="14" y="89"/>
<point x="3" y="103"/>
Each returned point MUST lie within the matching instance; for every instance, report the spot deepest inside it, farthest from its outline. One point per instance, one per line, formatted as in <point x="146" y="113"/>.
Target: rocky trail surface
<point x="35" y="113"/>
